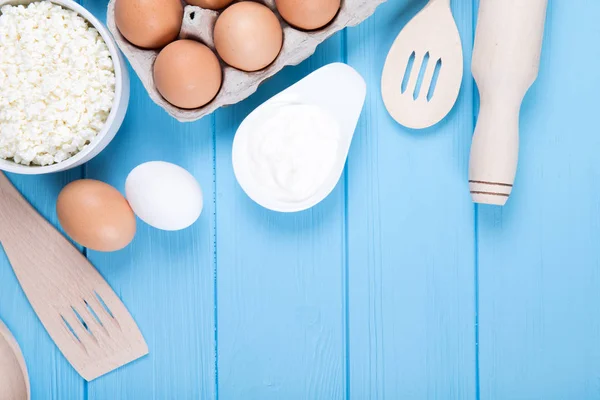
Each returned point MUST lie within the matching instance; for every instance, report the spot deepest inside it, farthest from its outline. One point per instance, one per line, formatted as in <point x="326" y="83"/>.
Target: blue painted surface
<point x="396" y="286"/>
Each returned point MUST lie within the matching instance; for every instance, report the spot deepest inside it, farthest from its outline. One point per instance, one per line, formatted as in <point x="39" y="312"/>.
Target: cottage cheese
<point x="57" y="83"/>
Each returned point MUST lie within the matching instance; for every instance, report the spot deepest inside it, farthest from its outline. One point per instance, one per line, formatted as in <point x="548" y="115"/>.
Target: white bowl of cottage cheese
<point x="64" y="86"/>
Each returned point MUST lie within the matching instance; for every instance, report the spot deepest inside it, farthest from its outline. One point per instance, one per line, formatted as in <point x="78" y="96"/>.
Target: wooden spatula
<point x="82" y="314"/>
<point x="14" y="380"/>
<point x="429" y="48"/>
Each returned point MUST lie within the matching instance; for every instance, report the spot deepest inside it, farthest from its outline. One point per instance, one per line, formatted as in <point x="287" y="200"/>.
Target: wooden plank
<point x="51" y="375"/>
<point x="538" y="257"/>
<point x="280" y="301"/>
<point x="166" y="279"/>
<point x="410" y="235"/>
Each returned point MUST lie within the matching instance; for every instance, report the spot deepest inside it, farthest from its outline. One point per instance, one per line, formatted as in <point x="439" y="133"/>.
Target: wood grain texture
<point x="280" y="294"/>
<point x="538" y="257"/>
<point x="410" y="236"/>
<point x="51" y="375"/>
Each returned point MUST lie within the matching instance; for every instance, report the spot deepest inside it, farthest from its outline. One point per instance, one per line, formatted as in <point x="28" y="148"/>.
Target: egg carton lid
<point x="198" y="24"/>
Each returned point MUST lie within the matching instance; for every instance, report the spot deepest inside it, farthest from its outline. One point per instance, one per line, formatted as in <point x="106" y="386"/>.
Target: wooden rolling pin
<point x="506" y="60"/>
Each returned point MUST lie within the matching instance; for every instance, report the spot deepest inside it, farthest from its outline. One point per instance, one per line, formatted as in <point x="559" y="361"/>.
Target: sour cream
<point x="293" y="151"/>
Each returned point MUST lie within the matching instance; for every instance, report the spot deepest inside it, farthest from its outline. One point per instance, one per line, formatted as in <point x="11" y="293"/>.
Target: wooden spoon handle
<point x="11" y="203"/>
<point x="17" y="217"/>
<point x="8" y="195"/>
<point x="7" y="336"/>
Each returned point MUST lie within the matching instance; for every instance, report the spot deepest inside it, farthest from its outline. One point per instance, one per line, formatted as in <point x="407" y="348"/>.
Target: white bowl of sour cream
<point x="289" y="153"/>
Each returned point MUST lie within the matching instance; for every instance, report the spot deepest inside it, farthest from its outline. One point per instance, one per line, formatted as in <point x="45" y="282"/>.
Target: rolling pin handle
<point x="494" y="153"/>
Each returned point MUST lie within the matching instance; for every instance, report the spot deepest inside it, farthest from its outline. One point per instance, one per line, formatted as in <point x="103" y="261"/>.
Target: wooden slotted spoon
<point x="429" y="42"/>
<point x="14" y="380"/>
<point x="84" y="317"/>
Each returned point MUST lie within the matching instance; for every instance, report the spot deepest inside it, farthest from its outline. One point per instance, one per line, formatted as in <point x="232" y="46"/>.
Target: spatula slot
<point x="82" y="321"/>
<point x="93" y="313"/>
<point x="103" y="304"/>
<point x="407" y="72"/>
<point x="70" y="328"/>
<point x="436" y="74"/>
<point x="422" y="70"/>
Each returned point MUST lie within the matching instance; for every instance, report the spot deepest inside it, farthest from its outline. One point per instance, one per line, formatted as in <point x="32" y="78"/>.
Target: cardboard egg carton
<point x="199" y="23"/>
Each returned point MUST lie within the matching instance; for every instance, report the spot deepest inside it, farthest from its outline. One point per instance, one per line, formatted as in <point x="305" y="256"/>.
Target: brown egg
<point x="187" y="74"/>
<point x="95" y="215"/>
<point x="308" y="14"/>
<point x="210" y="4"/>
<point x="248" y="36"/>
<point x="149" y="24"/>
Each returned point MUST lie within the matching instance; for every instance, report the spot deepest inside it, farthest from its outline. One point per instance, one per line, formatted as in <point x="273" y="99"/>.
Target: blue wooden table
<point x="396" y="286"/>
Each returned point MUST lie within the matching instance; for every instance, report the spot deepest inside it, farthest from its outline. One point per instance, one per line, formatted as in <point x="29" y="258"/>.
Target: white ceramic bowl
<point x="117" y="113"/>
<point x="337" y="89"/>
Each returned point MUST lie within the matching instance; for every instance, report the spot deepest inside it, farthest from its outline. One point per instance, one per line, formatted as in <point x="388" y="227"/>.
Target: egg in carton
<point x="199" y="23"/>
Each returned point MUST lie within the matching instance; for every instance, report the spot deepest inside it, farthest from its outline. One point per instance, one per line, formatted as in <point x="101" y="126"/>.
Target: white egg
<point x="164" y="195"/>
